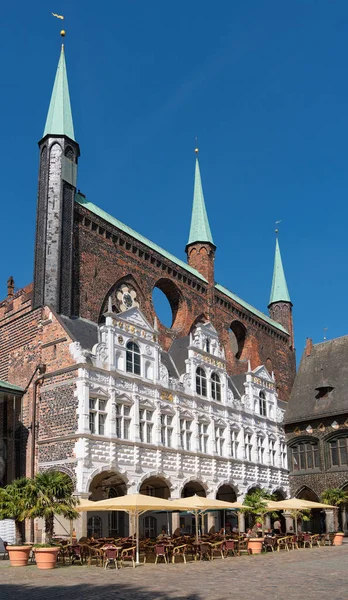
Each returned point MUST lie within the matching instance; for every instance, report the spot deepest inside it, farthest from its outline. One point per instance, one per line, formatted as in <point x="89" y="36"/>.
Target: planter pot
<point x="338" y="539"/>
<point x="19" y="555"/>
<point x="255" y="545"/>
<point x="46" y="558"/>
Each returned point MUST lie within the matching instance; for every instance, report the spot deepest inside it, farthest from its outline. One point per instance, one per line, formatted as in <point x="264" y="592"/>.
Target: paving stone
<point x="309" y="574"/>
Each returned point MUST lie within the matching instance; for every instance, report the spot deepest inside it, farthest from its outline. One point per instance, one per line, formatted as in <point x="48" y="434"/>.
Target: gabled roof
<point x="250" y="308"/>
<point x="279" y="291"/>
<point x="200" y="228"/>
<point x="59" y="118"/>
<point x="109" y="219"/>
<point x="80" y="330"/>
<point x="327" y="366"/>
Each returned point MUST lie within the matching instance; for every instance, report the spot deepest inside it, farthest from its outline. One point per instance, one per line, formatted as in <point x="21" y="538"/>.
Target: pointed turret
<point x="59" y="154"/>
<point x="200" y="228"/>
<point x="200" y="247"/>
<point x="280" y="306"/>
<point x="59" y="117"/>
<point x="279" y="292"/>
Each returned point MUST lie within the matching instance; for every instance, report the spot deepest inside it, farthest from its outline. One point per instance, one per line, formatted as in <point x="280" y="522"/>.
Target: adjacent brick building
<point x="317" y="422"/>
<point x="90" y="267"/>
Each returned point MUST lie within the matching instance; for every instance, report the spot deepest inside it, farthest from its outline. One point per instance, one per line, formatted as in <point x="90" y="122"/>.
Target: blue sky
<point x="264" y="87"/>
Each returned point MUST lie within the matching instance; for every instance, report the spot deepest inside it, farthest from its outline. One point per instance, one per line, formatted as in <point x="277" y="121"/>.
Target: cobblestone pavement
<point x="301" y="574"/>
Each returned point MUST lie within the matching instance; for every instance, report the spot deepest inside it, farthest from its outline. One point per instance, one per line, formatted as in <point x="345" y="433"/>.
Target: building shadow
<point x="84" y="591"/>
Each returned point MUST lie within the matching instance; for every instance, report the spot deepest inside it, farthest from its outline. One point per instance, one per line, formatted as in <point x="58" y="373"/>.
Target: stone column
<point x="241" y="521"/>
<point x="211" y="521"/>
<point x="329" y="520"/>
<point x="175" y="522"/>
<point x="289" y="522"/>
<point x="267" y="522"/>
<point x="344" y="518"/>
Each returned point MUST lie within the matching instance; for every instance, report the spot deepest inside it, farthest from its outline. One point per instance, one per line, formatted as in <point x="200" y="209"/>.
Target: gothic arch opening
<point x="237" y="336"/>
<point x="107" y="484"/>
<point x="173" y="301"/>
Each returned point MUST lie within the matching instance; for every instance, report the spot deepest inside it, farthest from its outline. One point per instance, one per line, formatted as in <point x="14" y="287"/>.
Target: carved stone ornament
<point x="126" y="297"/>
<point x="76" y="351"/>
<point x="280" y="415"/>
<point x="187" y="380"/>
<point x="148" y="350"/>
<point x="164" y="375"/>
<point x="101" y="352"/>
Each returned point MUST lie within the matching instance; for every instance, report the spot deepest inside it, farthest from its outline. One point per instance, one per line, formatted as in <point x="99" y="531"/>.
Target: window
<point x="201" y="382"/>
<point x="94" y="527"/>
<point x="123" y="421"/>
<point x="185" y="434"/>
<point x="203" y="437"/>
<point x="215" y="387"/>
<point x="97" y="416"/>
<point x="166" y="430"/>
<point x="304" y="456"/>
<point x="133" y="358"/>
<point x="262" y="404"/>
<point x="260" y="449"/>
<point x="283" y="455"/>
<point x="146" y="425"/>
<point x="339" y="452"/>
<point x="272" y="452"/>
<point x="234" y="443"/>
<point x="219" y="440"/>
<point x="248" y="446"/>
<point x="207" y="345"/>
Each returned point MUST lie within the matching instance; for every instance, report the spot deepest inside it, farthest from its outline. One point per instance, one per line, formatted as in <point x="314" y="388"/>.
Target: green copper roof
<point x="59" y="118"/>
<point x="279" y="292"/>
<point x="104" y="215"/>
<point x="5" y="385"/>
<point x="250" y="308"/>
<point x="200" y="229"/>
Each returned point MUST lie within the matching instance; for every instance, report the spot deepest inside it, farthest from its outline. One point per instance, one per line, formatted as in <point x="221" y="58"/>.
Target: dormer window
<point x="323" y="391"/>
<point x="133" y="358"/>
<point x="201" y="382"/>
<point x="262" y="404"/>
<point x="207" y="345"/>
<point x="215" y="387"/>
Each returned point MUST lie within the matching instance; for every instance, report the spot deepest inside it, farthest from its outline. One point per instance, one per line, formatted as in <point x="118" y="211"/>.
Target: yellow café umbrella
<point x="296" y="504"/>
<point x="198" y="505"/>
<point x="134" y="504"/>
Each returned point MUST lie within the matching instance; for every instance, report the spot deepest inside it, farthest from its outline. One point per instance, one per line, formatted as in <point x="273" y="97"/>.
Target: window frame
<point x="123" y="421"/>
<point x="133" y="358"/>
<point x="98" y="416"/>
<point x="201" y="382"/>
<point x="146" y="424"/>
<point x="186" y="434"/>
<point x="219" y="431"/>
<point x="248" y="446"/>
<point x="260" y="440"/>
<point x="262" y="404"/>
<point x="306" y="453"/>
<point x="203" y="437"/>
<point x="215" y="387"/>
<point x="167" y="430"/>
<point x="234" y="442"/>
<point x="341" y="444"/>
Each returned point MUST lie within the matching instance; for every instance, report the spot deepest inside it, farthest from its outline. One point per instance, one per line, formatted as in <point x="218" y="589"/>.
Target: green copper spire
<point x="59" y="119"/>
<point x="279" y="292"/>
<point x="200" y="229"/>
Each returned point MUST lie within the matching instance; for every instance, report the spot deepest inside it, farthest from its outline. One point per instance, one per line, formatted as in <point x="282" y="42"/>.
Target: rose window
<point x="126" y="297"/>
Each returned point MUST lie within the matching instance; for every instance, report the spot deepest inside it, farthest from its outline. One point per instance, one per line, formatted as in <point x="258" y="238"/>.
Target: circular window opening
<point x="162" y="307"/>
<point x="237" y="335"/>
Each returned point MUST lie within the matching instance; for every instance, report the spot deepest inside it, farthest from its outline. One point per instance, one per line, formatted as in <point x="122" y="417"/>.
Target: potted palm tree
<point x="15" y="504"/>
<point x="255" y="503"/>
<point x="52" y="494"/>
<point x="335" y="497"/>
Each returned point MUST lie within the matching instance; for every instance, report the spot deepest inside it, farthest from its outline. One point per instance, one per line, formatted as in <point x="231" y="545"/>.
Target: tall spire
<point x="200" y="229"/>
<point x="59" y="118"/>
<point x="279" y="292"/>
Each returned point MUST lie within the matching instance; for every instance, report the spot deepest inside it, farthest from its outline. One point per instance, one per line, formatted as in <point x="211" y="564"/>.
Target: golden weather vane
<point x="62" y="33"/>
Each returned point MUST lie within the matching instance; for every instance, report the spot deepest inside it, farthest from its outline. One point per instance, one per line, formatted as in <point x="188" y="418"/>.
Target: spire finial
<point x="62" y="31"/>
<point x="196" y="147"/>
<point x="276" y="231"/>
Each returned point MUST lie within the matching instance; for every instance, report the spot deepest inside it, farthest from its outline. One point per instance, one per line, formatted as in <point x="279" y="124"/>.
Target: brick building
<point x="97" y="369"/>
<point x="317" y="423"/>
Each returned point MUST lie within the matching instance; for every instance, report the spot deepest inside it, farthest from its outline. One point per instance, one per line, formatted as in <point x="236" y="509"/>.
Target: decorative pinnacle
<point x="196" y="150"/>
<point x="276" y="229"/>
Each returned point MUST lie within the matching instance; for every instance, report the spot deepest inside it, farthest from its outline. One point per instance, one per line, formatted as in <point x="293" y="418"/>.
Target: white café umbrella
<point x="134" y="504"/>
<point x="296" y="504"/>
<point x="198" y="505"/>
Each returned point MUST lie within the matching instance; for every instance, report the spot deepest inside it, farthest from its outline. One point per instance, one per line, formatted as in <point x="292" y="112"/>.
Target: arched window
<point x="201" y="382"/>
<point x="304" y="456"/>
<point x="338" y="452"/>
<point x="262" y="404"/>
<point x="133" y="358"/>
<point x="215" y="387"/>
